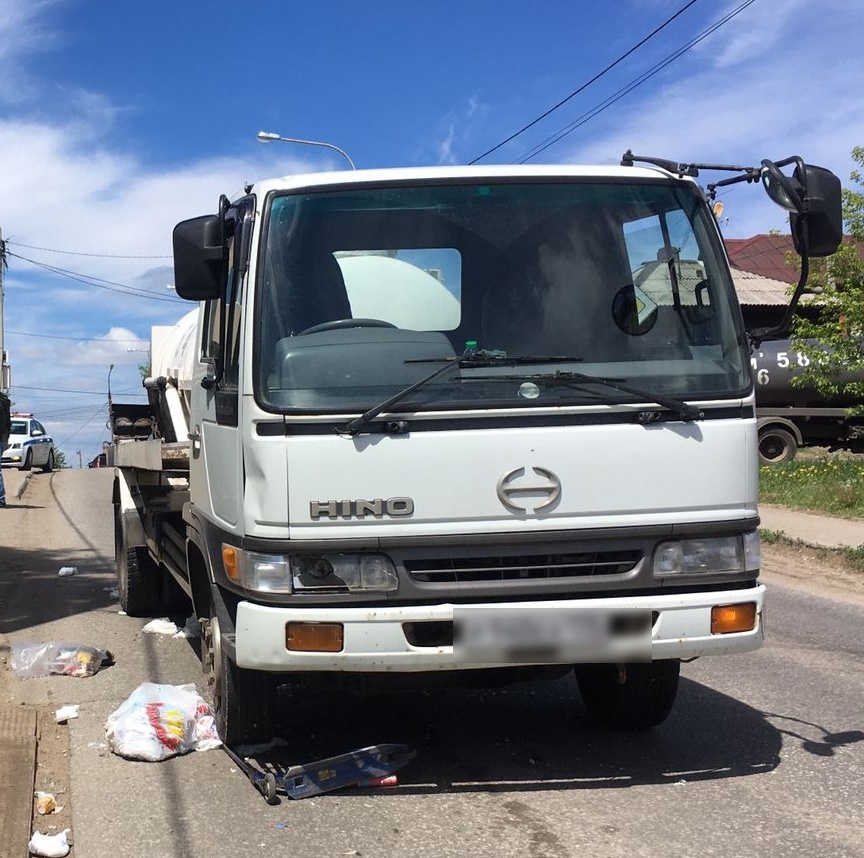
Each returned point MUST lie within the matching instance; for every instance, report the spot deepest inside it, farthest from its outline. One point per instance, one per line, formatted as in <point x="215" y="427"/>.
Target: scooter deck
<point x="320" y="776"/>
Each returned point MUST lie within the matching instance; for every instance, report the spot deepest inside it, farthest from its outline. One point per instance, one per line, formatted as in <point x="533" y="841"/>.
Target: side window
<point x="223" y="318"/>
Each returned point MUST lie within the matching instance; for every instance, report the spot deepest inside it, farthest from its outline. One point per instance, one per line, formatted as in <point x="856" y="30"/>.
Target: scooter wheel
<point x="269" y="789"/>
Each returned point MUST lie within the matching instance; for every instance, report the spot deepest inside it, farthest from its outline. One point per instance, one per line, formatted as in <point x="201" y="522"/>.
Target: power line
<point x="98" y="282"/>
<point x="634" y="84"/>
<point x="588" y="83"/>
<point x="84" y="425"/>
<point x="67" y="390"/>
<point x="75" y="339"/>
<point x="82" y="253"/>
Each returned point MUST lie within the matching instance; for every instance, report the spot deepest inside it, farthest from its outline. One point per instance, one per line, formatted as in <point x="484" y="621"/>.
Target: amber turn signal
<point x="229" y="562"/>
<point x="726" y="619"/>
<point x="314" y="637"/>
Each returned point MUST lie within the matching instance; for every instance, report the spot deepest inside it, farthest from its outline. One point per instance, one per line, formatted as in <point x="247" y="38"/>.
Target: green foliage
<point x="60" y="459"/>
<point x="830" y="484"/>
<point x="840" y="324"/>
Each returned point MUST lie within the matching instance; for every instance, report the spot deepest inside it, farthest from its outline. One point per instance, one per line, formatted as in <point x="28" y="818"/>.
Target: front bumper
<point x="375" y="638"/>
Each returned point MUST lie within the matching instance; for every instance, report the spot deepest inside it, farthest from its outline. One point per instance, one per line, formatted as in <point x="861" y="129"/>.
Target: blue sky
<point x="119" y="119"/>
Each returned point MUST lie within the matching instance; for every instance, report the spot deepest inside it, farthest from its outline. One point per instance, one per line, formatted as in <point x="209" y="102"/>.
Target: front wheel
<point x="244" y="701"/>
<point x="633" y="696"/>
<point x="49" y="463"/>
<point x="28" y="461"/>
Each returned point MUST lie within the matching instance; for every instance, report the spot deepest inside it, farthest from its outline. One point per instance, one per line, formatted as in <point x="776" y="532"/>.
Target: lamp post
<point x="270" y="136"/>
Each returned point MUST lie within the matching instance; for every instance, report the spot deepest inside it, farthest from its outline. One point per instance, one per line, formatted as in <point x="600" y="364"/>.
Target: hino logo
<point x="512" y="485"/>
<point x="394" y="507"/>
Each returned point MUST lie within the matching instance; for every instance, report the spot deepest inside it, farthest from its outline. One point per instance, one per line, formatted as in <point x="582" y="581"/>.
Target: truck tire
<point x="244" y="701"/>
<point x="633" y="696"/>
<point x="137" y="577"/>
<point x="776" y="446"/>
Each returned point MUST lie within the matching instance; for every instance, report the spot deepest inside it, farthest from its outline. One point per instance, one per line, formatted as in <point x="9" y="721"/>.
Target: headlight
<point x="335" y="573"/>
<point x="708" y="556"/>
<point x="356" y="573"/>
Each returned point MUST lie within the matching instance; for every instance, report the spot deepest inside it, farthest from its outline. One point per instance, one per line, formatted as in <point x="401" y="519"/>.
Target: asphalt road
<point x="762" y="755"/>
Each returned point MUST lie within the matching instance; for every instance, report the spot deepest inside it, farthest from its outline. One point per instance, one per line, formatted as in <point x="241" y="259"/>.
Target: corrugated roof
<point x="754" y="289"/>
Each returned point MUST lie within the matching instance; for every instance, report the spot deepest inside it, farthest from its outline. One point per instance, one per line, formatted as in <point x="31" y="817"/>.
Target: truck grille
<point x="534" y="566"/>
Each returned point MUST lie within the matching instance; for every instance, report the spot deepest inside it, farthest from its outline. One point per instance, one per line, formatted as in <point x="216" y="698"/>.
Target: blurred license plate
<point x="544" y="636"/>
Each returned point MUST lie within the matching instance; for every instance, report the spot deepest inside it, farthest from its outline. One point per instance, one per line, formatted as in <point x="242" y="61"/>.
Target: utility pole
<point x="80" y="461"/>
<point x="5" y="369"/>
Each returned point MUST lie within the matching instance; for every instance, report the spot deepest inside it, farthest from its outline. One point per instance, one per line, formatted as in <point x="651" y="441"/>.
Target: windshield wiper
<point x="681" y="409"/>
<point x="471" y="358"/>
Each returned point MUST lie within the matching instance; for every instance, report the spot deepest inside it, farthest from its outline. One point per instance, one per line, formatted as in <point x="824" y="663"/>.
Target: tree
<point x="59" y="459"/>
<point x="838" y="324"/>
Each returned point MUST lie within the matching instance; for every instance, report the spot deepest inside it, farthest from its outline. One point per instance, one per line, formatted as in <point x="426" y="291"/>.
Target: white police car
<point x="29" y="445"/>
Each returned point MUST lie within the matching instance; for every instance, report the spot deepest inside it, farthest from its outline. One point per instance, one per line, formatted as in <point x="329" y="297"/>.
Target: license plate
<point x="550" y="635"/>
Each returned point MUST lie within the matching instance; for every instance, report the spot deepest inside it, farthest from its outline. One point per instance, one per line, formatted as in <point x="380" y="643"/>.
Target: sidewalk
<point x="823" y="531"/>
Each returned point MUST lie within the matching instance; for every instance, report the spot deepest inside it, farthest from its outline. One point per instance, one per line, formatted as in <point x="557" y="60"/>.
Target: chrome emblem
<point x="511" y="486"/>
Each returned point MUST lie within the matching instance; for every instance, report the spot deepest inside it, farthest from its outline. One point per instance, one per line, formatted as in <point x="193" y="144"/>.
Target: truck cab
<point x="461" y="421"/>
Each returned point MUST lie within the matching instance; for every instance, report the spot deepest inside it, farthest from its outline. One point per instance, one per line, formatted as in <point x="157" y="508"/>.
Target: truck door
<point x="216" y="463"/>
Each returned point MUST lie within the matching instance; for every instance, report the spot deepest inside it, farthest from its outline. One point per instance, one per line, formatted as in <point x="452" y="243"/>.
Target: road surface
<point x="762" y="755"/>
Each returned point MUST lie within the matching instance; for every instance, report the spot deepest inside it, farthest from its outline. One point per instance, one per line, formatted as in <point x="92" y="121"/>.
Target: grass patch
<point x="852" y="557"/>
<point x="826" y="483"/>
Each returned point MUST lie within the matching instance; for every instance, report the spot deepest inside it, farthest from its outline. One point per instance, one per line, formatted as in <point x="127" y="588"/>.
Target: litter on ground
<point x="67" y="570"/>
<point x="64" y="713"/>
<point x="65" y="659"/>
<point x="159" y="721"/>
<point x="50" y="845"/>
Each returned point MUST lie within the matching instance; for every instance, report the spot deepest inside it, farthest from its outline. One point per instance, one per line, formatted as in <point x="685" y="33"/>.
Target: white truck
<point x="424" y="421"/>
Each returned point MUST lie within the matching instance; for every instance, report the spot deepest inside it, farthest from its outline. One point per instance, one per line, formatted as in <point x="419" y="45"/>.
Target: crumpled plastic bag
<point x="159" y="721"/>
<point x="49" y="845"/>
<point x="65" y="659"/>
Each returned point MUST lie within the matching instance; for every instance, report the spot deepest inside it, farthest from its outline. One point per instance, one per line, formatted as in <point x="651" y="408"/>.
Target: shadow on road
<point x="32" y="592"/>
<point x="530" y="737"/>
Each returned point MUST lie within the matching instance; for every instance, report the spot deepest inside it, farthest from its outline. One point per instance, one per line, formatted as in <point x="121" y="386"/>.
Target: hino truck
<point x="456" y="424"/>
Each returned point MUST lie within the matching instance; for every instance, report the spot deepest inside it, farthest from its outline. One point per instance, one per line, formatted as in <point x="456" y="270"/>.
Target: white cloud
<point x="23" y="33"/>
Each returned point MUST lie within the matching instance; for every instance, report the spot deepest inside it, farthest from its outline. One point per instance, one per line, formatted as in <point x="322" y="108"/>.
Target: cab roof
<point x="344" y="178"/>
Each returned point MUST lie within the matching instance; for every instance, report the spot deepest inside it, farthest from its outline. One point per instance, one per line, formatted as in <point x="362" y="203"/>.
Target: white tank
<point x="173" y="350"/>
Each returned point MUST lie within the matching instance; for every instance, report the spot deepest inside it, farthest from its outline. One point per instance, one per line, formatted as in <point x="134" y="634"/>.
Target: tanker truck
<point x="463" y="425"/>
<point x="790" y="415"/>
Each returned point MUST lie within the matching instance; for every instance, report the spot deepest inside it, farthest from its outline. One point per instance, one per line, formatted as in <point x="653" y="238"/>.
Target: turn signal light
<point x="229" y="561"/>
<point x="314" y="637"/>
<point x="726" y="619"/>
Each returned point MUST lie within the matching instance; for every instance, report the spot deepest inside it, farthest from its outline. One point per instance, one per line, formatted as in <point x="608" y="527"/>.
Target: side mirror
<point x="822" y="211"/>
<point x="36" y="433"/>
<point x="200" y="258"/>
<point x="813" y="199"/>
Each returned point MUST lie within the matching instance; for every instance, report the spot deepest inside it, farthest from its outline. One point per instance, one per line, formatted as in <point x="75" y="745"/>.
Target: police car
<point x="29" y="445"/>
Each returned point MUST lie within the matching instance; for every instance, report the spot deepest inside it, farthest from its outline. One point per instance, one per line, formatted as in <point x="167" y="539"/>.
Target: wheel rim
<point x="772" y="449"/>
<point x="216" y="650"/>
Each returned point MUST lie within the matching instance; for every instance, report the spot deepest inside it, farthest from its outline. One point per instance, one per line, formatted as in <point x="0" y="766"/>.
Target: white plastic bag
<point x="160" y="721"/>
<point x="66" y="659"/>
<point x="49" y="845"/>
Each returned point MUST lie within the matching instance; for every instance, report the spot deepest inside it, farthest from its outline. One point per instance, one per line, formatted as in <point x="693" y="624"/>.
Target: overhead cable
<point x="587" y="83"/>
<point x="635" y="83"/>
<point x="98" y="282"/>
<point x="83" y="253"/>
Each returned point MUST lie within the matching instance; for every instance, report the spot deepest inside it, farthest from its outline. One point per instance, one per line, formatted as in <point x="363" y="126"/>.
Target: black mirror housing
<point x="200" y="258"/>
<point x="822" y="211"/>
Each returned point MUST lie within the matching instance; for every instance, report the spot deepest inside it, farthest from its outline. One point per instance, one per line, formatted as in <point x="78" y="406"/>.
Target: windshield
<point x="19" y="427"/>
<point x="365" y="291"/>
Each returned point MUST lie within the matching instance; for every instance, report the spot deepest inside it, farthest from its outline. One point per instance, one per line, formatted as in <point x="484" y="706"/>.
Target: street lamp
<point x="270" y="136"/>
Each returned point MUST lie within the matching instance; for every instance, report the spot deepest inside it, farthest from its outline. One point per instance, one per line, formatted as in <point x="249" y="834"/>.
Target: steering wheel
<point x="341" y="324"/>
